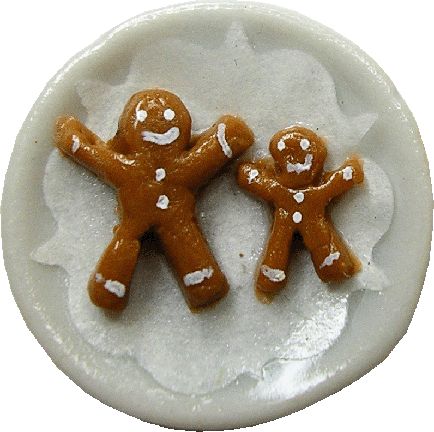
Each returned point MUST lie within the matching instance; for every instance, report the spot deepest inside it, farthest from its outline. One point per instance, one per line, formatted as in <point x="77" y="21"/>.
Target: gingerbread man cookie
<point x="300" y="192"/>
<point x="156" y="166"/>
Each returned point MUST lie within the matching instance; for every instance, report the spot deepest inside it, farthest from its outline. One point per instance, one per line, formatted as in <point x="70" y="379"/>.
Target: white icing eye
<point x="169" y="114"/>
<point x="141" y="115"/>
<point x="281" y="145"/>
<point x="304" y="144"/>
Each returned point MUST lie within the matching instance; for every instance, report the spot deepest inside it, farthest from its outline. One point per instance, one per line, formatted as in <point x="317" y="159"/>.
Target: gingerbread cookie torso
<point x="300" y="192"/>
<point x="156" y="166"/>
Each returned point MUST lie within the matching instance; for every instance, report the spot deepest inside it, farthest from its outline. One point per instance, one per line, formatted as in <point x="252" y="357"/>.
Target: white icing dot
<point x="330" y="259"/>
<point x="75" y="143"/>
<point x="274" y="275"/>
<point x="221" y="137"/>
<point x="297" y="217"/>
<point x="198" y="276"/>
<point x="347" y="173"/>
<point x="299" y="197"/>
<point x="300" y="167"/>
<point x="252" y="175"/>
<point x="115" y="287"/>
<point x="163" y="202"/>
<point x="169" y="114"/>
<point x="304" y="144"/>
<point x="160" y="174"/>
<point x="281" y="145"/>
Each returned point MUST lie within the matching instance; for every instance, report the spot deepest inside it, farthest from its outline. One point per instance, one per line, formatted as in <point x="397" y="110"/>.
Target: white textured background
<point x="36" y="40"/>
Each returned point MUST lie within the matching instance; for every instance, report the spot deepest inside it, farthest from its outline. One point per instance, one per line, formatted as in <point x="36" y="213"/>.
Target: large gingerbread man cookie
<point x="300" y="191"/>
<point x="156" y="166"/>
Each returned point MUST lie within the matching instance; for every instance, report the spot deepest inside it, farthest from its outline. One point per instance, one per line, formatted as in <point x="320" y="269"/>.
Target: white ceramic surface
<point x="376" y="322"/>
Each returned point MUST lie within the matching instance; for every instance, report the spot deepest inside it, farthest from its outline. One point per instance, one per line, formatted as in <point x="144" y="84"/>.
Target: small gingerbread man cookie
<point x="156" y="166"/>
<point x="300" y="192"/>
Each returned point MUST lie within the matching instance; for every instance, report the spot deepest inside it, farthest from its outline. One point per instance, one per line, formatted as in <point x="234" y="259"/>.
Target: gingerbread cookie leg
<point x="109" y="284"/>
<point x="272" y="277"/>
<point x="331" y="257"/>
<point x="201" y="278"/>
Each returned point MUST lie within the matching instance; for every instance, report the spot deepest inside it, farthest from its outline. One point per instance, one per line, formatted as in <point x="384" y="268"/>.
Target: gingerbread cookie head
<point x="155" y="120"/>
<point x="300" y="155"/>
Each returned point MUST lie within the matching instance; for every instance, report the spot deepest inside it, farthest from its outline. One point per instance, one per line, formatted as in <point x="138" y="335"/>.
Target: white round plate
<point x="376" y="320"/>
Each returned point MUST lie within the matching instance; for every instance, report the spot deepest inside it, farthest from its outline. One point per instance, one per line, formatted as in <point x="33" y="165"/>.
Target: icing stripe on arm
<point x="221" y="137"/>
<point x="75" y="143"/>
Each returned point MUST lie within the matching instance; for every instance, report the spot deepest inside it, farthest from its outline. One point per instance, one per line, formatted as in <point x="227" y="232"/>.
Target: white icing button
<point x="299" y="197"/>
<point x="163" y="202"/>
<point x="297" y="217"/>
<point x="160" y="174"/>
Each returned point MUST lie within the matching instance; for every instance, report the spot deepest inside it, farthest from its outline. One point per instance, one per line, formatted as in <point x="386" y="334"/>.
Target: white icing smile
<point x="161" y="139"/>
<point x="300" y="167"/>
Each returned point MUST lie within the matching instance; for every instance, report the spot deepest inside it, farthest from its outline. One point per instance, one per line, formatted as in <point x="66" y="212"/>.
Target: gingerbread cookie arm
<point x="343" y="179"/>
<point x="227" y="139"/>
<point x="73" y="139"/>
<point x="255" y="178"/>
